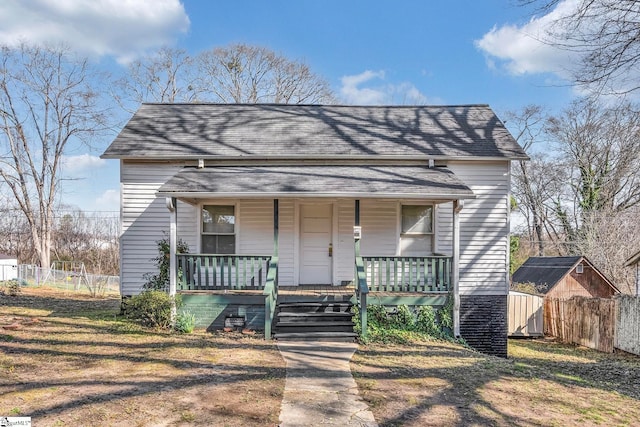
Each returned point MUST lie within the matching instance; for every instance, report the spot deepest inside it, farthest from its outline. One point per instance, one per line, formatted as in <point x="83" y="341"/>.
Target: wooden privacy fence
<point x="628" y="324"/>
<point x="590" y="322"/>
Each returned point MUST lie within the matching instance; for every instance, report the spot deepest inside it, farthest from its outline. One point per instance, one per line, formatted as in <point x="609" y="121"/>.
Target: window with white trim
<point x="417" y="219"/>
<point x="218" y="229"/>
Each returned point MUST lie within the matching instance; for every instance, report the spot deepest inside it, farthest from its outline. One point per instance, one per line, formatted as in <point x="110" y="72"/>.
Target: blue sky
<point x="371" y="52"/>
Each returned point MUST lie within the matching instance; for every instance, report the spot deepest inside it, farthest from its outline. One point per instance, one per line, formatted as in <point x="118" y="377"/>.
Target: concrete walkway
<point x="319" y="388"/>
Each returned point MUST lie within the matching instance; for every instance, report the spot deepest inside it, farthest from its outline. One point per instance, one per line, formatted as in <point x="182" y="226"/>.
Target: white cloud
<point x="122" y="28"/>
<point x="77" y="165"/>
<point x="108" y="201"/>
<point x="360" y="89"/>
<point x="525" y="49"/>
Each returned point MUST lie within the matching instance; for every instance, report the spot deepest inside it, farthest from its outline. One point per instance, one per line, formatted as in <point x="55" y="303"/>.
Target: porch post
<point x="357" y="224"/>
<point x="455" y="271"/>
<point x="361" y="293"/>
<point x="271" y="287"/>
<point x="173" y="237"/>
<point x="276" y="215"/>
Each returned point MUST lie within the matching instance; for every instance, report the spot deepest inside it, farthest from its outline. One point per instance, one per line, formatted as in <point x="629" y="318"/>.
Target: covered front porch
<point x="326" y="247"/>
<point x="253" y="280"/>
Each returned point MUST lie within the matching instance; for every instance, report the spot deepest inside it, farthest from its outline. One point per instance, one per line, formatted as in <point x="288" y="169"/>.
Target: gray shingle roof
<point x="545" y="272"/>
<point x="178" y="131"/>
<point x="334" y="181"/>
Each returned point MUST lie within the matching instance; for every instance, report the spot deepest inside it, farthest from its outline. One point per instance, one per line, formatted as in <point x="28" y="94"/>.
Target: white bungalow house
<point x="402" y="204"/>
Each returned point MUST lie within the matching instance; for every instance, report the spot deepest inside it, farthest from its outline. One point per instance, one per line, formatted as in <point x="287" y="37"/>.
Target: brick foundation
<point x="483" y="323"/>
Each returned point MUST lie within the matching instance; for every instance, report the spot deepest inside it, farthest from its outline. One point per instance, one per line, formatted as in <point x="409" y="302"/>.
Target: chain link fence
<point x="74" y="281"/>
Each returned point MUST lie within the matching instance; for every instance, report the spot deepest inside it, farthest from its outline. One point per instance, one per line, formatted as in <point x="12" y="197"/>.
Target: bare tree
<point x="15" y="235"/>
<point x="597" y="211"/>
<point x="601" y="146"/>
<point x="248" y="74"/>
<point x="90" y="239"/>
<point x="537" y="182"/>
<point x="606" y="34"/>
<point x="235" y="74"/>
<point x="163" y="76"/>
<point x="604" y="240"/>
<point x="585" y="200"/>
<point x="46" y="103"/>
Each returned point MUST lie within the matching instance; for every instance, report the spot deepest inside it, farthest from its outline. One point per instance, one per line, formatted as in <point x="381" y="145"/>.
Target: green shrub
<point x="403" y="325"/>
<point x="11" y="288"/>
<point x="150" y="308"/>
<point x="185" y="322"/>
<point x="160" y="281"/>
<point x="445" y="316"/>
<point x="426" y="321"/>
<point x="402" y="318"/>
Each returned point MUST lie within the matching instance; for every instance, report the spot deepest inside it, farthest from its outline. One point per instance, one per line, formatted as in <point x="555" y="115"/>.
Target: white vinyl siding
<point x="255" y="224"/>
<point x="484" y="228"/>
<point x="145" y="220"/>
<point x="483" y="236"/>
<point x="287" y="243"/>
<point x="344" y="249"/>
<point x="443" y="241"/>
<point x="188" y="225"/>
<point x="380" y="228"/>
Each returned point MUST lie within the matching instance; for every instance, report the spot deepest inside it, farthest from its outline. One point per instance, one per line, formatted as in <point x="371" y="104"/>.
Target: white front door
<point x="315" y="243"/>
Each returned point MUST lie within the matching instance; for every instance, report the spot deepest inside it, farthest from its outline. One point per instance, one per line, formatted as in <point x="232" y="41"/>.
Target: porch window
<point x="417" y="219"/>
<point x="218" y="229"/>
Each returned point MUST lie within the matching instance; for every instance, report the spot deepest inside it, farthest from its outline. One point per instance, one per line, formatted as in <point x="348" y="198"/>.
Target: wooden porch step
<point x="315" y="307"/>
<point x="306" y="324"/>
<point x="316" y="336"/>
<point x="294" y="314"/>
<point x="307" y="318"/>
<point x="319" y="325"/>
<point x="314" y="303"/>
<point x="313" y="319"/>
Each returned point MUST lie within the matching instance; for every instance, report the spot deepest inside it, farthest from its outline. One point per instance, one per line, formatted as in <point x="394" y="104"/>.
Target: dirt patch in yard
<point x="68" y="360"/>
<point x="542" y="383"/>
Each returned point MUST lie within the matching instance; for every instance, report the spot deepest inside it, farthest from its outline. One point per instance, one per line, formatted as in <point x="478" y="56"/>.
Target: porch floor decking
<point x="308" y="290"/>
<point x="347" y="290"/>
<point x="222" y="291"/>
<point x="316" y="290"/>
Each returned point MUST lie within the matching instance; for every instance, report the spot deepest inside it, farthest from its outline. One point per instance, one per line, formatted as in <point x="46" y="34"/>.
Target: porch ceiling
<point x="411" y="182"/>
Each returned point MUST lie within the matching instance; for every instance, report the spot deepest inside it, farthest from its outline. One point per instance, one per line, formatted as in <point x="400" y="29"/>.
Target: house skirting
<point x="211" y="310"/>
<point x="483" y="323"/>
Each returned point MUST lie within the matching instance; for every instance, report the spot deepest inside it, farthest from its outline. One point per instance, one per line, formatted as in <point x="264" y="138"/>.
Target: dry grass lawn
<point x="543" y="383"/>
<point x="72" y="362"/>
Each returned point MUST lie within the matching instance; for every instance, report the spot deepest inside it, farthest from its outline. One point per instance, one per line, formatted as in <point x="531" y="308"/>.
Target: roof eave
<point x="192" y="195"/>
<point x="142" y="157"/>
